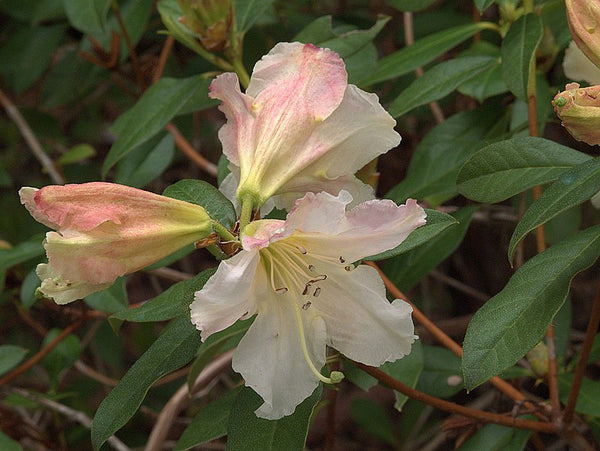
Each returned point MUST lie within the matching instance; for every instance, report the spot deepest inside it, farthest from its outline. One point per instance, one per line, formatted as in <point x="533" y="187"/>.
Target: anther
<point x="349" y="268"/>
<point x="311" y="267"/>
<point x="306" y="288"/>
<point x="302" y="250"/>
<point x="342" y="259"/>
<point x="318" y="278"/>
<point x="306" y="306"/>
<point x="317" y="292"/>
<point x="281" y="290"/>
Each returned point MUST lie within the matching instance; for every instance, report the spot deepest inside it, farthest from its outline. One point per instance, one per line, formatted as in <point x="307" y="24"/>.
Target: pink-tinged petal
<point x="270" y="357"/>
<point x="258" y="234"/>
<point x="360" y="321"/>
<point x="61" y="290"/>
<point x="27" y="196"/>
<point x="369" y="228"/>
<point x="237" y="135"/>
<point x="230" y="294"/>
<point x="578" y="67"/>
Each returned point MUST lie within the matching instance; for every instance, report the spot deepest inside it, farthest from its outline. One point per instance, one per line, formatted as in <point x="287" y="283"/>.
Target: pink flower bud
<point x="583" y="17"/>
<point x="579" y="110"/>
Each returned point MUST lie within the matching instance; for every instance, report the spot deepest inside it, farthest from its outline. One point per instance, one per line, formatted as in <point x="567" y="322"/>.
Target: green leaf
<point x="247" y="12"/>
<point x="408" y="269"/>
<point x="493" y="437"/>
<point x="490" y="82"/>
<point x="246" y="431"/>
<point x="63" y="355"/>
<point x="21" y="252"/>
<point x="87" y="16"/>
<point x="11" y="356"/>
<point x="518" y="52"/>
<point x="159" y="104"/>
<point x="27" y="293"/>
<point x="206" y="195"/>
<point x="217" y="343"/>
<point x="26" y="53"/>
<point x="453" y="142"/>
<point x="420" y="53"/>
<point x="482" y="5"/>
<point x="588" y="401"/>
<point x="439" y="81"/>
<point x="170" y="303"/>
<point x="441" y="375"/>
<point x="407" y="370"/>
<point x="8" y="444"/>
<point x="146" y="162"/>
<point x="507" y="168"/>
<point x="437" y="222"/>
<point x="210" y="423"/>
<point x="410" y="5"/>
<point x="111" y="300"/>
<point x="174" y="348"/>
<point x="514" y="320"/>
<point x="76" y="154"/>
<point x="572" y="188"/>
<point x="373" y="419"/>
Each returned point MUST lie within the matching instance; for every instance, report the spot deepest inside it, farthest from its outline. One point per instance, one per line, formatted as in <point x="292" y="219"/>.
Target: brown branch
<point x="190" y="152"/>
<point x="139" y="75"/>
<point x="40" y="354"/>
<point x="583" y="359"/>
<point x="448" y="406"/>
<point x="162" y="60"/>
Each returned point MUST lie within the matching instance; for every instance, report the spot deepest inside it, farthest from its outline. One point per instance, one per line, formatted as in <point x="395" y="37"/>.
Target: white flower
<point x="297" y="276"/>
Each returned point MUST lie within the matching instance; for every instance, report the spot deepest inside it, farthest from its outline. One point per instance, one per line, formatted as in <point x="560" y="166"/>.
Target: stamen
<point x="306" y="288"/>
<point x="281" y="290"/>
<point x="307" y="305"/>
<point x="317" y="292"/>
<point x="318" y="278"/>
<point x="342" y="259"/>
<point x="349" y="268"/>
<point x="311" y="267"/>
<point x="301" y="249"/>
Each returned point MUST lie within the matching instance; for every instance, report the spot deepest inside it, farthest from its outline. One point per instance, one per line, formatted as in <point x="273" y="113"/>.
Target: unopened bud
<point x="583" y="17"/>
<point x="209" y="20"/>
<point x="538" y="359"/>
<point x="579" y="110"/>
<point x="336" y="377"/>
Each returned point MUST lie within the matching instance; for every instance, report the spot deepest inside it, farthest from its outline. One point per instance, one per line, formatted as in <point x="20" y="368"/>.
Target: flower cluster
<point x="294" y="139"/>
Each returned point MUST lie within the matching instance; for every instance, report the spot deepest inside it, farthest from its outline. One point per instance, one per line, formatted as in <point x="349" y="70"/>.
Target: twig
<point x="175" y="404"/>
<point x="93" y="374"/>
<point x="72" y="414"/>
<point x="40" y="354"/>
<point x="190" y="152"/>
<point x="456" y="408"/>
<point x="409" y="38"/>
<point x="468" y="290"/>
<point x="171" y="274"/>
<point x="134" y="59"/>
<point x="583" y="359"/>
<point x="162" y="60"/>
<point x="31" y="139"/>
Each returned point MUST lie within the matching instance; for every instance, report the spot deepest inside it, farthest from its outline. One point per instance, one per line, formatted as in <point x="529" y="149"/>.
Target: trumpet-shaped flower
<point x="298" y="278"/>
<point x="299" y="127"/>
<point x="105" y="230"/>
<point x="579" y="110"/>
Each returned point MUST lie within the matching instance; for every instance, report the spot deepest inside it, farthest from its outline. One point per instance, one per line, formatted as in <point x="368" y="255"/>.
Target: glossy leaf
<point x="518" y="52"/>
<point x="572" y="188"/>
<point x="407" y="269"/>
<point x="246" y="431"/>
<point x="441" y="375"/>
<point x="87" y="16"/>
<point x="513" y="321"/>
<point x="507" y="168"/>
<point x="206" y="195"/>
<point x="175" y="347"/>
<point x="437" y="222"/>
<point x="111" y="300"/>
<point x="210" y="423"/>
<point x="10" y="357"/>
<point x="21" y="252"/>
<point x="496" y="437"/>
<point x="438" y="82"/>
<point x="407" y="370"/>
<point x="62" y="356"/>
<point x="247" y="12"/>
<point x="372" y="418"/>
<point x="490" y="82"/>
<point x="159" y="104"/>
<point x="420" y="53"/>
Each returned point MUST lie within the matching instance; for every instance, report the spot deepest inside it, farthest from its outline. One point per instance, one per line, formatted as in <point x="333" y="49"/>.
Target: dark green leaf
<point x="518" y="52"/>
<point x="11" y="356"/>
<point x="88" y="16"/>
<point x="76" y="154"/>
<point x="21" y="252"/>
<point x="441" y="375"/>
<point x="493" y="437"/>
<point x="27" y="293"/>
<point x="453" y="142"/>
<point x="113" y="299"/>
<point x="588" y="401"/>
<point x="420" y="53"/>
<point x="437" y="222"/>
<point x="507" y="168"/>
<point x="482" y="5"/>
<point x="173" y="302"/>
<point x="210" y="423"/>
<point x="407" y="370"/>
<point x="438" y="82"/>
<point x="410" y="5"/>
<point x="249" y="11"/>
<point x="8" y="444"/>
<point x="175" y="347"/>
<point x="572" y="188"/>
<point x="373" y="419"/>
<point x="204" y="194"/>
<point x="246" y="431"/>
<point x="159" y="104"/>
<point x="490" y="82"/>
<point x="407" y="269"/>
<point x="514" y="320"/>
<point x="63" y="355"/>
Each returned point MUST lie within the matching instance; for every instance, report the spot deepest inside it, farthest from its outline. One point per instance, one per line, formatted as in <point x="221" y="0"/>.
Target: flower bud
<point x="209" y="21"/>
<point x="579" y="110"/>
<point x="538" y="359"/>
<point x="583" y="17"/>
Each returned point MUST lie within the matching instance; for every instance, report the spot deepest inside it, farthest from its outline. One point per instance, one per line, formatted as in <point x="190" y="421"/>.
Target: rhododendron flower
<point x="299" y="127"/>
<point x="578" y="67"/>
<point x="583" y="17"/>
<point x="298" y="278"/>
<point x="579" y="110"/>
<point x="105" y="230"/>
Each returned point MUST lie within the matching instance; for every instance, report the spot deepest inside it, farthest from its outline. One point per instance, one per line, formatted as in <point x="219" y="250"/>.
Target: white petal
<point x="320" y="220"/>
<point x="61" y="290"/>
<point x="360" y="321"/>
<point x="230" y="294"/>
<point x="577" y="66"/>
<point x="270" y="357"/>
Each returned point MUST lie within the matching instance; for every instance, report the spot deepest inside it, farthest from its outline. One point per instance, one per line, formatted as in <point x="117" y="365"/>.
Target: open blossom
<point x="105" y="230"/>
<point x="579" y="110"/>
<point x="578" y="67"/>
<point x="298" y="278"/>
<point x="300" y="127"/>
